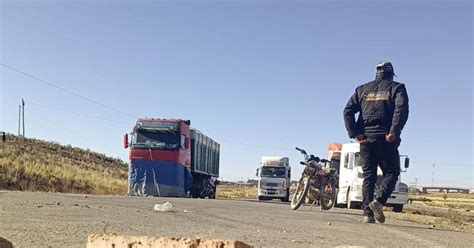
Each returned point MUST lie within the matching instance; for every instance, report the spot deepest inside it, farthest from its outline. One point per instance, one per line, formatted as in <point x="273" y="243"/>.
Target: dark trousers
<point x="379" y="153"/>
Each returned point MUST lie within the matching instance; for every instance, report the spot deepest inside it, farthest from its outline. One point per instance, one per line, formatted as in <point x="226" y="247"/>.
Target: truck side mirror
<point x="125" y="141"/>
<point x="256" y="174"/>
<point x="407" y="162"/>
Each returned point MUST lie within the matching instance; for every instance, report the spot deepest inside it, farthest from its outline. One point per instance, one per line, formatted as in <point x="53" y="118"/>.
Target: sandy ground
<point x="65" y="220"/>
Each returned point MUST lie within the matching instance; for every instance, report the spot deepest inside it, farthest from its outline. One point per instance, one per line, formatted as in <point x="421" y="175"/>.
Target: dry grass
<point x="451" y="211"/>
<point x="446" y="201"/>
<point x="236" y="192"/>
<point x="35" y="165"/>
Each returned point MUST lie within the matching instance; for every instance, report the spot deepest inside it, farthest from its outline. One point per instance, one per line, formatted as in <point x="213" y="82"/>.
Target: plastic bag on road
<point x="166" y="207"/>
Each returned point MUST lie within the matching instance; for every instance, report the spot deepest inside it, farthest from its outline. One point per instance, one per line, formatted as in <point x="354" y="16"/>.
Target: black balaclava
<point x="384" y="71"/>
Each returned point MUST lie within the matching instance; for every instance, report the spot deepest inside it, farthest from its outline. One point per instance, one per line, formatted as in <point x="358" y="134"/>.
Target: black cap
<point x="386" y="65"/>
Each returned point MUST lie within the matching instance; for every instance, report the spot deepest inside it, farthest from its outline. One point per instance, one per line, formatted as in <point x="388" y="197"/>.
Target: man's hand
<point x="361" y="139"/>
<point x="390" y="138"/>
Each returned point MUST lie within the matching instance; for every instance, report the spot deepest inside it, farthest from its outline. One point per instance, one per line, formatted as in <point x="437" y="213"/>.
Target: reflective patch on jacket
<point x="378" y="96"/>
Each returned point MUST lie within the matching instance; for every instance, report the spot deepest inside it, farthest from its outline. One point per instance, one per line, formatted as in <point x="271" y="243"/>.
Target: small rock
<point x="59" y="203"/>
<point x="187" y="211"/>
<point x="258" y="231"/>
<point x="329" y="223"/>
<point x="294" y="240"/>
<point x="85" y="196"/>
<point x="431" y="226"/>
<point x="39" y="206"/>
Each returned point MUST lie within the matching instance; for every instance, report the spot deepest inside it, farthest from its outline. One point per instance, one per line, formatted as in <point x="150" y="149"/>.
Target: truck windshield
<point x="162" y="139"/>
<point x="273" y="172"/>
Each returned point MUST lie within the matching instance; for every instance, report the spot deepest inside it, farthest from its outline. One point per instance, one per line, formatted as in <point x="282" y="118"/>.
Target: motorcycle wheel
<point x="328" y="196"/>
<point x="300" y="193"/>
<point x="204" y="193"/>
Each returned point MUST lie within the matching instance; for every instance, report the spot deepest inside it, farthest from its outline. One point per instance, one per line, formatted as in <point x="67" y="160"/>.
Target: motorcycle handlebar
<point x="301" y="150"/>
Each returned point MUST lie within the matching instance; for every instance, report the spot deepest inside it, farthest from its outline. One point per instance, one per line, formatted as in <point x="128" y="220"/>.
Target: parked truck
<point x="274" y="178"/>
<point x="168" y="158"/>
<point x="345" y="158"/>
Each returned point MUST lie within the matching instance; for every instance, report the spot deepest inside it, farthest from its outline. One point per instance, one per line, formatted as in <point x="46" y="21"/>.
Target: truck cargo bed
<point x="204" y="154"/>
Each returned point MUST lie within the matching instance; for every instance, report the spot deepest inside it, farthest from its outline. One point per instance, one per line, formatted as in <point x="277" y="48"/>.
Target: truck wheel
<point x="194" y="193"/>
<point x="260" y="198"/>
<point x="398" y="208"/>
<point x="287" y="197"/>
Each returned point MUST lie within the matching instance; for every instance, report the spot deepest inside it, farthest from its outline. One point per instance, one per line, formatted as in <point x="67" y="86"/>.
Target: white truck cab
<point x="351" y="178"/>
<point x="274" y="177"/>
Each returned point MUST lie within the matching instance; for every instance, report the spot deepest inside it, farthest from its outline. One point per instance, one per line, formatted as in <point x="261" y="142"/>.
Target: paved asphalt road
<point x="64" y="220"/>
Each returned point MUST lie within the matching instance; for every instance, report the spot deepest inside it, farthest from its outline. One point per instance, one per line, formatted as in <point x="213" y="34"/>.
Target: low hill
<point x="36" y="165"/>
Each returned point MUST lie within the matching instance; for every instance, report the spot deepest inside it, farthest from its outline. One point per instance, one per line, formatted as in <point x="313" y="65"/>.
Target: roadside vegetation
<point x="36" y="165"/>
<point x="451" y="211"/>
<point x="236" y="191"/>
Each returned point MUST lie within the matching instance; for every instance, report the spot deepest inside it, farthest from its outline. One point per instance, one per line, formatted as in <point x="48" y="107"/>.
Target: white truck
<point x="274" y="178"/>
<point x="346" y="159"/>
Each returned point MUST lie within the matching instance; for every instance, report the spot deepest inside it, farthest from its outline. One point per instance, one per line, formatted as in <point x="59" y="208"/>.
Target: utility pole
<point x="416" y="184"/>
<point x="23" y="115"/>
<point x="432" y="176"/>
<point x="19" y="119"/>
<point x="241" y="182"/>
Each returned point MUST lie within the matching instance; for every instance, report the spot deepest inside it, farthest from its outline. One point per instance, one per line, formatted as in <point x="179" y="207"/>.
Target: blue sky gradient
<point x="273" y="74"/>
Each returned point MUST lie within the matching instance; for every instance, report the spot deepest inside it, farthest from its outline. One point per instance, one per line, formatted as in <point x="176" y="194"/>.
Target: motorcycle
<point x="318" y="183"/>
<point x="210" y="189"/>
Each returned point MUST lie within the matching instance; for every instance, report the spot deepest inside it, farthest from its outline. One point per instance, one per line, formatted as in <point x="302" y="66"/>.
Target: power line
<point x="130" y="115"/>
<point x="441" y="163"/>
<point x="76" y="113"/>
<point x="253" y="145"/>
<point x="66" y="90"/>
<point x="261" y="146"/>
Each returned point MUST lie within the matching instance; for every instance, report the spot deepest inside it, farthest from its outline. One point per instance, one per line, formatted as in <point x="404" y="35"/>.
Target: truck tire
<point x="287" y="197"/>
<point x="398" y="208"/>
<point x="194" y="193"/>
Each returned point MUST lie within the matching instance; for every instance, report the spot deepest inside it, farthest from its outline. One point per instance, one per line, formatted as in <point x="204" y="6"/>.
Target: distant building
<point x="252" y="182"/>
<point x="444" y="190"/>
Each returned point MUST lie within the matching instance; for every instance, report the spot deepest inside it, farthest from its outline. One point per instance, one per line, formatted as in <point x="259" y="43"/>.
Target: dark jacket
<point x="382" y="107"/>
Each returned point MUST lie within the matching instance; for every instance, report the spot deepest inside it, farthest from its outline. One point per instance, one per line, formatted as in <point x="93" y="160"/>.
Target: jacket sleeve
<point x="352" y="107"/>
<point x="400" y="113"/>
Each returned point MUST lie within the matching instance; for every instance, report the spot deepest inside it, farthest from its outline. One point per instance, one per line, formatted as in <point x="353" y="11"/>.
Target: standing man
<point x="382" y="107"/>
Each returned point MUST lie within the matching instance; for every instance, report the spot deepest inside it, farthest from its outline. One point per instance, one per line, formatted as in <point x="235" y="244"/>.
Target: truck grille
<point x="272" y="184"/>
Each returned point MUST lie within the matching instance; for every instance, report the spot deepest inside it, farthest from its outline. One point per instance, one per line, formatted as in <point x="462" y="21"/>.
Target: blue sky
<point x="274" y="74"/>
